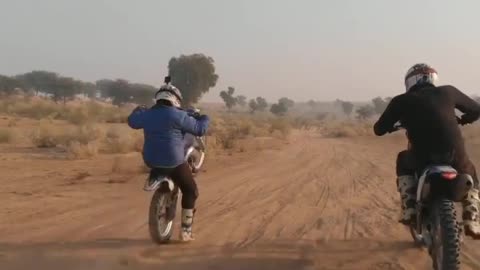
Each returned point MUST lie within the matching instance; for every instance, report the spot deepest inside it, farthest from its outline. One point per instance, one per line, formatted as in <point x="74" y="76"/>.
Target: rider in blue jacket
<point x="164" y="126"/>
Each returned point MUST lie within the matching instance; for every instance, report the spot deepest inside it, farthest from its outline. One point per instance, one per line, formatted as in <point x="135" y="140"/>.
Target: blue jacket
<point x="164" y="128"/>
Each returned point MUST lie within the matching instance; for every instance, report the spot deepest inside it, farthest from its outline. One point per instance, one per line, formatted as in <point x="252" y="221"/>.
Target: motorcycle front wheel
<point x="196" y="160"/>
<point x="161" y="215"/>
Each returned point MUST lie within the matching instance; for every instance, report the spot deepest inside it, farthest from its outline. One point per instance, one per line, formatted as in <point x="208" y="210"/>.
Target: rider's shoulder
<point x="179" y="111"/>
<point x="399" y="98"/>
<point x="447" y="89"/>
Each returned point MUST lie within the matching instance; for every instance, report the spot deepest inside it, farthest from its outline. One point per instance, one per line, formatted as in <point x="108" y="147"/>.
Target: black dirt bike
<point x="435" y="225"/>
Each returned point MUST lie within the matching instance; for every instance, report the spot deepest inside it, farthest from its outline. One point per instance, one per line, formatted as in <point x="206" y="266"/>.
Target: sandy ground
<point x="316" y="204"/>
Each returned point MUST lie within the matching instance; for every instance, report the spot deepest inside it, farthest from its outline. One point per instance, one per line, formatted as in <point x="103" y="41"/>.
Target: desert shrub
<point x="280" y="126"/>
<point x="346" y="129"/>
<point x="340" y="132"/>
<point x="321" y="116"/>
<point x="6" y="136"/>
<point x="45" y="136"/>
<point x="111" y="115"/>
<point x="303" y="122"/>
<point x="83" y="141"/>
<point x="78" y="116"/>
<point x="12" y="122"/>
<point x="80" y="142"/>
<point x="227" y="139"/>
<point x="38" y="108"/>
<point x="121" y="139"/>
<point x="85" y="134"/>
<point x="77" y="150"/>
<point x="226" y="131"/>
<point x="129" y="164"/>
<point x="137" y="142"/>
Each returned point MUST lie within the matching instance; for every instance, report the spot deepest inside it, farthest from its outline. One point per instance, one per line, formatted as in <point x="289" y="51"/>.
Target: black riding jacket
<point x="428" y="114"/>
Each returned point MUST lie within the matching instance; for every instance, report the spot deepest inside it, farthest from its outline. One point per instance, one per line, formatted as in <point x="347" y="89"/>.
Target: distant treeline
<point x="193" y="74"/>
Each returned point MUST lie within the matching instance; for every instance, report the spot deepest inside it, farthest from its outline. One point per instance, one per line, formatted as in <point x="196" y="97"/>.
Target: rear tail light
<point x="449" y="175"/>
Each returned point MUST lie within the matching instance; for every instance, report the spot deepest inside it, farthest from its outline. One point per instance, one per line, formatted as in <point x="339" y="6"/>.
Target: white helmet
<point x="170" y="93"/>
<point x="420" y="74"/>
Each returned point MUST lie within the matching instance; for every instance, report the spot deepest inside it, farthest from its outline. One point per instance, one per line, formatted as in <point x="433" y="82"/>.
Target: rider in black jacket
<point x="427" y="112"/>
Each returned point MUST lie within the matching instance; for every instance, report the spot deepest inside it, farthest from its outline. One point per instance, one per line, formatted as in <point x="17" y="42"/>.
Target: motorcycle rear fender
<point x="189" y="152"/>
<point x="164" y="182"/>
<point x="167" y="183"/>
<point x="433" y="182"/>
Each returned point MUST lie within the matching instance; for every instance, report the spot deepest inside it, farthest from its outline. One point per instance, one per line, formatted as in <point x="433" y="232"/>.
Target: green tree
<point x="9" y="84"/>
<point x="365" y="112"/>
<point x="142" y="93"/>
<point x="379" y="104"/>
<point x="64" y="88"/>
<point x="279" y="109"/>
<point x="103" y="86"/>
<point x="262" y="104"/>
<point x="40" y="81"/>
<point x="347" y="107"/>
<point x="252" y="104"/>
<point x="88" y="89"/>
<point x="194" y="75"/>
<point x="288" y="103"/>
<point x="311" y="103"/>
<point x="228" y="97"/>
<point x="259" y="104"/>
<point x="120" y="92"/>
<point x="241" y="100"/>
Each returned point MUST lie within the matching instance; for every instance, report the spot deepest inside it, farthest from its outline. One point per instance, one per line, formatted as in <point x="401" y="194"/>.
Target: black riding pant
<point x="183" y="178"/>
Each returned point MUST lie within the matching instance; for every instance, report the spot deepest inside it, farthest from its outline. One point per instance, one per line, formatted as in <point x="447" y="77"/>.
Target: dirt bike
<point x="435" y="224"/>
<point x="195" y="153"/>
<point x="163" y="205"/>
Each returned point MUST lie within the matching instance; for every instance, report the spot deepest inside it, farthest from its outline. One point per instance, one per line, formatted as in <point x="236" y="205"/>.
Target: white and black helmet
<point x="420" y="74"/>
<point x="170" y="93"/>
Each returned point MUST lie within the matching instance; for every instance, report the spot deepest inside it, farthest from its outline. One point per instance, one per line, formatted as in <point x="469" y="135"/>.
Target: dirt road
<point x="316" y="204"/>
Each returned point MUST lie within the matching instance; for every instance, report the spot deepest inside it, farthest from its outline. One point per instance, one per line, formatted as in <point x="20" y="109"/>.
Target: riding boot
<point x="407" y="186"/>
<point x="471" y="216"/>
<point x="186" y="233"/>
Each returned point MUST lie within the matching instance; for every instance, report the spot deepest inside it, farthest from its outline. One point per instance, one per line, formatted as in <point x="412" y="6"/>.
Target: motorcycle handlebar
<point x="399" y="126"/>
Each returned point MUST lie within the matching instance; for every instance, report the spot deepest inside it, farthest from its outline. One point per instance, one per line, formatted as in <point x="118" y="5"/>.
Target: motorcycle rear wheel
<point x="445" y="248"/>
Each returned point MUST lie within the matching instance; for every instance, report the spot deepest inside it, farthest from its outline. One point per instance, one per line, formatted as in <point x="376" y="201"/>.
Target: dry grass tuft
<point x="129" y="164"/>
<point x="77" y="150"/>
<point x="39" y="108"/>
<point x="83" y="141"/>
<point x="346" y="129"/>
<point x="46" y="136"/>
<point x="122" y="139"/>
<point x="6" y="136"/>
<point x="13" y="122"/>
<point x="280" y="127"/>
<point x="228" y="131"/>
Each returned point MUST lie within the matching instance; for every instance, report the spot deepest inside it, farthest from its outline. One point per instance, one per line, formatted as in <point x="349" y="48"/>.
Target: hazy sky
<point x="302" y="49"/>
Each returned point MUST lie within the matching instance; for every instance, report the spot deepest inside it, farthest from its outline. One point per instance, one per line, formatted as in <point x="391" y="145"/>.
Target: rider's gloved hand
<point x="465" y="119"/>
<point x="462" y="120"/>
<point x="194" y="114"/>
<point x="141" y="108"/>
<point x="394" y="128"/>
<point x="203" y="117"/>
